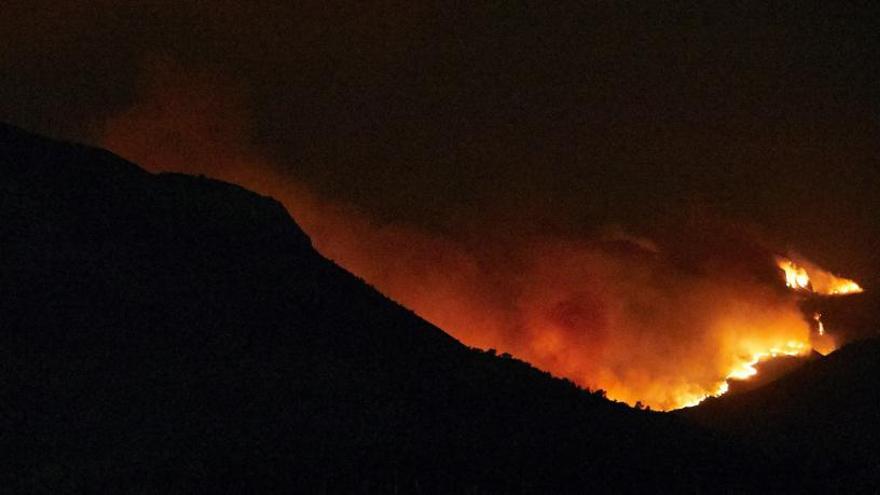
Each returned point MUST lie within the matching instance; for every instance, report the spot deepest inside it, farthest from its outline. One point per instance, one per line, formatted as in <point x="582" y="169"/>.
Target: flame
<point x="818" y="318"/>
<point x="823" y="342"/>
<point x="809" y="277"/>
<point x="632" y="322"/>
<point x="746" y="367"/>
<point x="802" y="276"/>
<point x="795" y="276"/>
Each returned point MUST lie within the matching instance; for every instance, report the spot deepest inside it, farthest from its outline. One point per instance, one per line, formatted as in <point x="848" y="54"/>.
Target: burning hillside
<point x="665" y="322"/>
<point x="806" y="276"/>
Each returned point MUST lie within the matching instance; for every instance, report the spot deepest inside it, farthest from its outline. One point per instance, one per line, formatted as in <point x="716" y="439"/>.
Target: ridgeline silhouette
<point x="177" y="334"/>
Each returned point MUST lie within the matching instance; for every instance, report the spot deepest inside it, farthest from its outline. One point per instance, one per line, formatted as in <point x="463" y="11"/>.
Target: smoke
<point x="660" y="316"/>
<point x="424" y="112"/>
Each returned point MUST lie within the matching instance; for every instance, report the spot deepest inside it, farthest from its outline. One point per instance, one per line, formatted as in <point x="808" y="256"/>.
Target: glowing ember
<point x="818" y="318"/>
<point x="809" y="277"/>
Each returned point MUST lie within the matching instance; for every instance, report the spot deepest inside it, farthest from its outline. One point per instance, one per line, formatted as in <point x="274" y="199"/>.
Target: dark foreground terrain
<point x="175" y="334"/>
<point x="820" y="422"/>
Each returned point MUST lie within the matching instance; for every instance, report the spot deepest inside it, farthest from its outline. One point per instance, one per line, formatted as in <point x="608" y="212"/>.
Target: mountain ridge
<point x="179" y="334"/>
<point x="165" y="332"/>
<point x="818" y="421"/>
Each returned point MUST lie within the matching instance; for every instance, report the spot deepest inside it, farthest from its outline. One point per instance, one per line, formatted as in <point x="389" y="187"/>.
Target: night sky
<point x="542" y="116"/>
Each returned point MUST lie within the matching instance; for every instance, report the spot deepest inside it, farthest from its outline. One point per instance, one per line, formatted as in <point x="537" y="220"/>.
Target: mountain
<point x="176" y="334"/>
<point x="819" y="424"/>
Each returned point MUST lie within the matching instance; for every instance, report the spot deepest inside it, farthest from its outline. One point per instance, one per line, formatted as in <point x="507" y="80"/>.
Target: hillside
<point x="819" y="424"/>
<point x="175" y="334"/>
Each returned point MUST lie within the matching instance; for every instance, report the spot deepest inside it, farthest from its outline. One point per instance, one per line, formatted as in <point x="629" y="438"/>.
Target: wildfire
<point x="818" y="318"/>
<point x="801" y="276"/>
<point x="795" y="276"/>
<point x="746" y="367"/>
<point x="809" y="277"/>
<point x="630" y="321"/>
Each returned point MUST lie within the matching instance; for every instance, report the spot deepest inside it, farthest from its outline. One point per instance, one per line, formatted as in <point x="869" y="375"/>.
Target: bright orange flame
<point x="807" y="276"/>
<point x="802" y="276"/>
<point x="745" y="368"/>
<point x="818" y="318"/>
<point x="823" y="343"/>
<point x="629" y="321"/>
<point x="795" y="276"/>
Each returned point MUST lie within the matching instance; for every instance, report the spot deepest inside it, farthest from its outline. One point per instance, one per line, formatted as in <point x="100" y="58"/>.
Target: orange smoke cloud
<point x="660" y="321"/>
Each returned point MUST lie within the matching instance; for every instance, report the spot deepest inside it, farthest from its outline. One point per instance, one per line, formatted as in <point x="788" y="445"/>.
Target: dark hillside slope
<point x="167" y="333"/>
<point x="820" y="423"/>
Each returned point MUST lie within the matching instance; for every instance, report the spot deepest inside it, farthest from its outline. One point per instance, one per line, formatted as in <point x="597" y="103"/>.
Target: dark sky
<point x="566" y="116"/>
